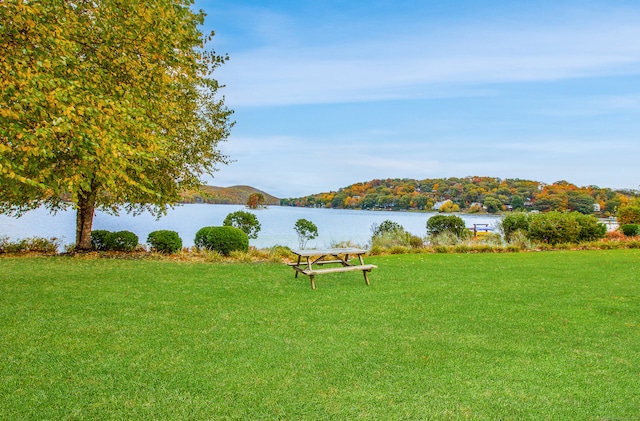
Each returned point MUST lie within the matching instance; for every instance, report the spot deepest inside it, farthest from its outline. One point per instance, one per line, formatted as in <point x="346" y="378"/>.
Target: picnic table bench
<point x="310" y="262"/>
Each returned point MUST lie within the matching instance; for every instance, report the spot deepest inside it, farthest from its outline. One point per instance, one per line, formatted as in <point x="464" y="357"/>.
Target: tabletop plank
<point x="329" y="252"/>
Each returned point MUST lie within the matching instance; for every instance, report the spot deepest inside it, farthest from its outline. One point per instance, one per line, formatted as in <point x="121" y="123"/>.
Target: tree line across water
<point x="469" y="194"/>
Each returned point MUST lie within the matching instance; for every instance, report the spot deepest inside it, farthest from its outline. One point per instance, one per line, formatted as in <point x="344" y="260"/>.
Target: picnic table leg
<point x="313" y="284"/>
<point x="366" y="278"/>
<point x="364" y="272"/>
<point x="298" y="264"/>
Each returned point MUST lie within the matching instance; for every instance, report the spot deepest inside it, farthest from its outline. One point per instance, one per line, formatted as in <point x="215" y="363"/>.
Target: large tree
<point x="105" y="104"/>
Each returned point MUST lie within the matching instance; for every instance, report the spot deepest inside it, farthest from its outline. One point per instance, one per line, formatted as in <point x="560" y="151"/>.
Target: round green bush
<point x="165" y="241"/>
<point x="441" y="223"/>
<point x="100" y="240"/>
<point x="630" y="230"/>
<point x="123" y="241"/>
<point x="103" y="240"/>
<point x="222" y="239"/>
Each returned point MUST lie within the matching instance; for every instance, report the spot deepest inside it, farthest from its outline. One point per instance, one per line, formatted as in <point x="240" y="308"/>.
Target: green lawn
<point x="513" y="336"/>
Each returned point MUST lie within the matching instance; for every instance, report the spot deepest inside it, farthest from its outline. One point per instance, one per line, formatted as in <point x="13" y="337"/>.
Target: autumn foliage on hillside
<point x="469" y="194"/>
<point x="235" y="195"/>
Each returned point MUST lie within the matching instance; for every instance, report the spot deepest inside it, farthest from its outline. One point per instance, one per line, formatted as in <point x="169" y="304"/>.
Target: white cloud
<point x="419" y="65"/>
<point x="594" y="105"/>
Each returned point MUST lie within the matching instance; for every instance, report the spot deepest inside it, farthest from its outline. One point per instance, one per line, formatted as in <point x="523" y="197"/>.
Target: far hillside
<point x="469" y="194"/>
<point x="235" y="195"/>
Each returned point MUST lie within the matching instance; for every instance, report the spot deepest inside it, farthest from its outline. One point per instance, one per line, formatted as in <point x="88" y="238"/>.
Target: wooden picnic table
<point x="309" y="260"/>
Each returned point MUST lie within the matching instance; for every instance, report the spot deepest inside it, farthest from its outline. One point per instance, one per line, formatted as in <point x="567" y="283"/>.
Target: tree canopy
<point x="107" y="104"/>
<point x="306" y="231"/>
<point x="246" y="221"/>
<point x="255" y="201"/>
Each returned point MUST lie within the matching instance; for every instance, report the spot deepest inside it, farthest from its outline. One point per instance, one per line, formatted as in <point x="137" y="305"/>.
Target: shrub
<point x="100" y="240"/>
<point x="590" y="228"/>
<point x="554" y="228"/>
<point x="614" y="236"/>
<point x="608" y="245"/>
<point x="33" y="244"/>
<point x="630" y="230"/>
<point x="376" y="250"/>
<point x="345" y="245"/>
<point x="122" y="241"/>
<point x="462" y="248"/>
<point x="441" y="249"/>
<point x="520" y="239"/>
<point x="399" y="250"/>
<point x="445" y="238"/>
<point x="451" y="223"/>
<point x="210" y="256"/>
<point x="4" y="241"/>
<point x="513" y="248"/>
<point x="14" y="247"/>
<point x="492" y="239"/>
<point x="222" y="239"/>
<point x="279" y="253"/>
<point x="565" y="227"/>
<point x="628" y="215"/>
<point x="485" y="248"/>
<point x="241" y="256"/>
<point x="390" y="234"/>
<point x="103" y="240"/>
<point x="513" y="222"/>
<point x="385" y="227"/>
<point x="392" y="239"/>
<point x="43" y="245"/>
<point x="165" y="241"/>
<point x="416" y="242"/>
<point x="246" y="221"/>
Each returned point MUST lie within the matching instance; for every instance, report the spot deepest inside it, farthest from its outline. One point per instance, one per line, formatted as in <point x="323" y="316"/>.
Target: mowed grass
<point x="552" y="335"/>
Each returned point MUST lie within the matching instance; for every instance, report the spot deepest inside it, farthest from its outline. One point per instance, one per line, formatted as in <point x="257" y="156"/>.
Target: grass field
<point x="512" y="336"/>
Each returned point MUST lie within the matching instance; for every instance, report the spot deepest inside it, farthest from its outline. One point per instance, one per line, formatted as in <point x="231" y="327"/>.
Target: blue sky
<point x="330" y="93"/>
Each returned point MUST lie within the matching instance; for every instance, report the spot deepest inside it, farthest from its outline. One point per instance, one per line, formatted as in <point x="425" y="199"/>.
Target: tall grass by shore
<point x="552" y="335"/>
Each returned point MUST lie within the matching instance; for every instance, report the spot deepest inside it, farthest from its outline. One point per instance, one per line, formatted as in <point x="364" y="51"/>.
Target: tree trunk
<point x="84" y="220"/>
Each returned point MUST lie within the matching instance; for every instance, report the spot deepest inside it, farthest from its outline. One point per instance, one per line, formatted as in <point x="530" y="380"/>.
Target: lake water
<point x="334" y="225"/>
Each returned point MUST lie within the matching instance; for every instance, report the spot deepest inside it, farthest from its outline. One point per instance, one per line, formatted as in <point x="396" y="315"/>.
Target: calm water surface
<point x="334" y="225"/>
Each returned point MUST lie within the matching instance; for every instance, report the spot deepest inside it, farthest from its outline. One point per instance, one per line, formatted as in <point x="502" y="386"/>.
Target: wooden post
<point x="299" y="257"/>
